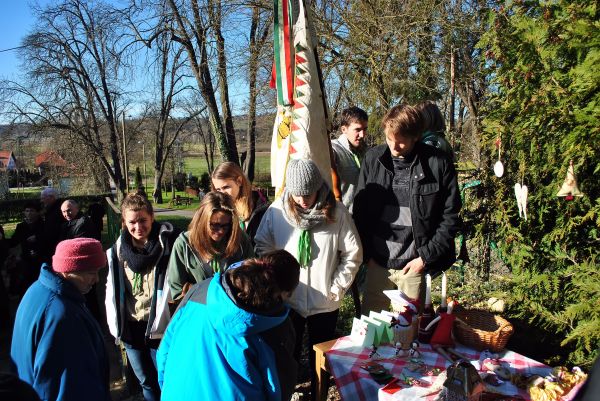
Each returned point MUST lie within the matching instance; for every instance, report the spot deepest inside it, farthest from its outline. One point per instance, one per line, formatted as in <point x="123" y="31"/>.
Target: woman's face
<point x="305" y="201"/>
<point x="139" y="224"/>
<point x="219" y="226"/>
<point x="229" y="187"/>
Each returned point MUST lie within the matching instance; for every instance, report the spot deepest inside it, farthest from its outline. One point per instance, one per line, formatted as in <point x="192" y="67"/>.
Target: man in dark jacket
<point x="76" y="224"/>
<point x="406" y="210"/>
<point x="57" y="346"/>
<point x="29" y="235"/>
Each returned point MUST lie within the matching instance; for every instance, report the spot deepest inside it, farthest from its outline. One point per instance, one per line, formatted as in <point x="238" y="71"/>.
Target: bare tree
<point x="75" y="59"/>
<point x="169" y="66"/>
<point x="197" y="27"/>
<point x="259" y="30"/>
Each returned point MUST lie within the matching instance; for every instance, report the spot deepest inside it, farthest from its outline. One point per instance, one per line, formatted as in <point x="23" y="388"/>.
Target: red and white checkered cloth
<point x="355" y="383"/>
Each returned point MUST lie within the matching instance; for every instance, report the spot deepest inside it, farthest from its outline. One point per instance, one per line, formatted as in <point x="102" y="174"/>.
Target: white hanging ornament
<point x="569" y="187"/>
<point x="521" y="193"/>
<point x="498" y="166"/>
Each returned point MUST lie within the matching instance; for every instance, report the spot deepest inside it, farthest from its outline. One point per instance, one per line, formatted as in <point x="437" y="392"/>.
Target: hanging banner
<point x="302" y="120"/>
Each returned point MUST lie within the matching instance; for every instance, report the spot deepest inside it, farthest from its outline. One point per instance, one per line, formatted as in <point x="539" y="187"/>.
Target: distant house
<point x="49" y="161"/>
<point x="7" y="160"/>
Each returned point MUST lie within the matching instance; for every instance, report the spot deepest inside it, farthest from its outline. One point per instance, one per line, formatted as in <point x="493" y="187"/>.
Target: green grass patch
<point x="180" y="222"/>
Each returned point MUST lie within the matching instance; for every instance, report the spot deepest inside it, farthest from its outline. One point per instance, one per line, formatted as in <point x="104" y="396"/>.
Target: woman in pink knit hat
<point x="57" y="345"/>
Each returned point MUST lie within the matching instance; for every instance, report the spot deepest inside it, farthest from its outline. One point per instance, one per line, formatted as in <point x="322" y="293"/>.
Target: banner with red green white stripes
<point x="302" y="120"/>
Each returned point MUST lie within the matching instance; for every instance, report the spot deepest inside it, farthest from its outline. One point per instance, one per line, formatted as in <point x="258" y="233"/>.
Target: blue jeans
<point x="143" y="363"/>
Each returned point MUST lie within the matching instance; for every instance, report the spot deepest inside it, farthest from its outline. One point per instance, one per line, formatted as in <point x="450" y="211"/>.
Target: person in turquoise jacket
<point x="231" y="338"/>
<point x="57" y="345"/>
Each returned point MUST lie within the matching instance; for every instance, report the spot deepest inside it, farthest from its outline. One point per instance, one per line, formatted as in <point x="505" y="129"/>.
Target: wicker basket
<point x="482" y="330"/>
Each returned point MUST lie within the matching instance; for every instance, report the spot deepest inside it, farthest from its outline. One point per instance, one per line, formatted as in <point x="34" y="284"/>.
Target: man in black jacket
<point x="76" y="224"/>
<point x="406" y="210"/>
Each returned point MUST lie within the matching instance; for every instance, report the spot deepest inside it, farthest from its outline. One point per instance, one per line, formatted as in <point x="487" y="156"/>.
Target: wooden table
<point x="322" y="369"/>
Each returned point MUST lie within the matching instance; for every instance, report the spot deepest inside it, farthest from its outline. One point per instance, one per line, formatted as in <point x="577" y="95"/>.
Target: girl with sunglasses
<point x="214" y="240"/>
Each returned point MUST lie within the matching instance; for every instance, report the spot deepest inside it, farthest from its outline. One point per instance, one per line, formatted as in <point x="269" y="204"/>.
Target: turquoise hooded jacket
<point x="217" y="350"/>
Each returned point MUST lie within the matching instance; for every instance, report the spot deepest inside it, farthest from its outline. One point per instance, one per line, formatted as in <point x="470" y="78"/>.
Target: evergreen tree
<point x="544" y="59"/>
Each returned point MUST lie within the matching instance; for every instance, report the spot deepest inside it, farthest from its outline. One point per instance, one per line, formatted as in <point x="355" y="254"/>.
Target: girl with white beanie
<point x="308" y="222"/>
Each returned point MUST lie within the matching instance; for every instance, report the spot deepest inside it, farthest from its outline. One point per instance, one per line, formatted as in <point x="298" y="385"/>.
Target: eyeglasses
<point x="218" y="227"/>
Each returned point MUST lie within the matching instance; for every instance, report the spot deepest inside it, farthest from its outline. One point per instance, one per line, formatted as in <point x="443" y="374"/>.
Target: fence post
<point x="113" y="221"/>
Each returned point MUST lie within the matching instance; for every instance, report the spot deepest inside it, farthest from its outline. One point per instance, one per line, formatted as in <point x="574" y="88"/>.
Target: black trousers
<point x="321" y="327"/>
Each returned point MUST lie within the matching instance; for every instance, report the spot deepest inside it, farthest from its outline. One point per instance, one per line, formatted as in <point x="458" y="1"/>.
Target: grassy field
<point x="196" y="164"/>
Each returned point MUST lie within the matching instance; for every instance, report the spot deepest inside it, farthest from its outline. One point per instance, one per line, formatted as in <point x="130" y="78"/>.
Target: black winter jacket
<point x="434" y="204"/>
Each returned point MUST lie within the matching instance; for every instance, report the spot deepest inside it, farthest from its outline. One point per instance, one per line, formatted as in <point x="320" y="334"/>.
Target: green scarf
<point x="214" y="263"/>
<point x="304" y="251"/>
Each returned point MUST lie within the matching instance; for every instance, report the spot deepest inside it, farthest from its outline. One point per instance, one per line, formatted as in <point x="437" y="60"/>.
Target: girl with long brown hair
<point x="214" y="240"/>
<point x="250" y="204"/>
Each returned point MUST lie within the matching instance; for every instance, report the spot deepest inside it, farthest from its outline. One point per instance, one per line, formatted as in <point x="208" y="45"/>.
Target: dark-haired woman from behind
<point x="231" y="338"/>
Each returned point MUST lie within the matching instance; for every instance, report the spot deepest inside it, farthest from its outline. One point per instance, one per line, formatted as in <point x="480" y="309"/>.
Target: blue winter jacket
<point x="57" y="345"/>
<point x="218" y="351"/>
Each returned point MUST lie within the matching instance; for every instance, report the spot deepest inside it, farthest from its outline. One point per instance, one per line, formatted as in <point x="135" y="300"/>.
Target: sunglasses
<point x="218" y="227"/>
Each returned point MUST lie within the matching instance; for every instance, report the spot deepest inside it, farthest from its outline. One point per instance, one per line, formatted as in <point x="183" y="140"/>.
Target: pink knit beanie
<point x="78" y="254"/>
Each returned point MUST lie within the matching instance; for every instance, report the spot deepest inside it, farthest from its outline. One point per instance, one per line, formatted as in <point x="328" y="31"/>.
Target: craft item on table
<point x="378" y="372"/>
<point x="462" y="383"/>
<point x="414" y="350"/>
<point x="442" y="335"/>
<point x="374" y="354"/>
<point x="569" y="187"/>
<point x="399" y="299"/>
<point x="387" y="335"/>
<point x="380" y="328"/>
<point x="428" y="314"/>
<point x="408" y="378"/>
<point x="363" y="333"/>
<point x="521" y="193"/>
<point x="403" y="326"/>
<point x="569" y="379"/>
<point x="392" y="387"/>
<point x="498" y="166"/>
<point x="541" y="389"/>
<point x="497" y="367"/>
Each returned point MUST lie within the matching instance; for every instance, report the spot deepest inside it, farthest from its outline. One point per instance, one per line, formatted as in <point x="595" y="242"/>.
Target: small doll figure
<point x="400" y="352"/>
<point x="374" y="354"/>
<point x="414" y="350"/>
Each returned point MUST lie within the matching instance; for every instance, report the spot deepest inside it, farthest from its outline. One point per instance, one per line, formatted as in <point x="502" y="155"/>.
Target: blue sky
<point x="15" y="22"/>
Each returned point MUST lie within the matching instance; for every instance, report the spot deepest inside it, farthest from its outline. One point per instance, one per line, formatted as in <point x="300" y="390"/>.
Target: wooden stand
<point x="322" y="369"/>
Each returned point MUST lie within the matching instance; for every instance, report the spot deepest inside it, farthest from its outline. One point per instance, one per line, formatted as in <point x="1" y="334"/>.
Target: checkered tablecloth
<point x="354" y="383"/>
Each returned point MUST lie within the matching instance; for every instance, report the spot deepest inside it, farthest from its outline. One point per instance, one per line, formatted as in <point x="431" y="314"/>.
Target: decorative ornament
<point x="569" y="187"/>
<point x="498" y="166"/>
<point x="521" y="193"/>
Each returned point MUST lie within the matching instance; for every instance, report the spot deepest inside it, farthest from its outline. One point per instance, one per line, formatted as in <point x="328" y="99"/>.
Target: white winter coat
<point x="336" y="255"/>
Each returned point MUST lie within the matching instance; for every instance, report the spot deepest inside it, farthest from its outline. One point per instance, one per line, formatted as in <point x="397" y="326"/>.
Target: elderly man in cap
<point x="57" y="346"/>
